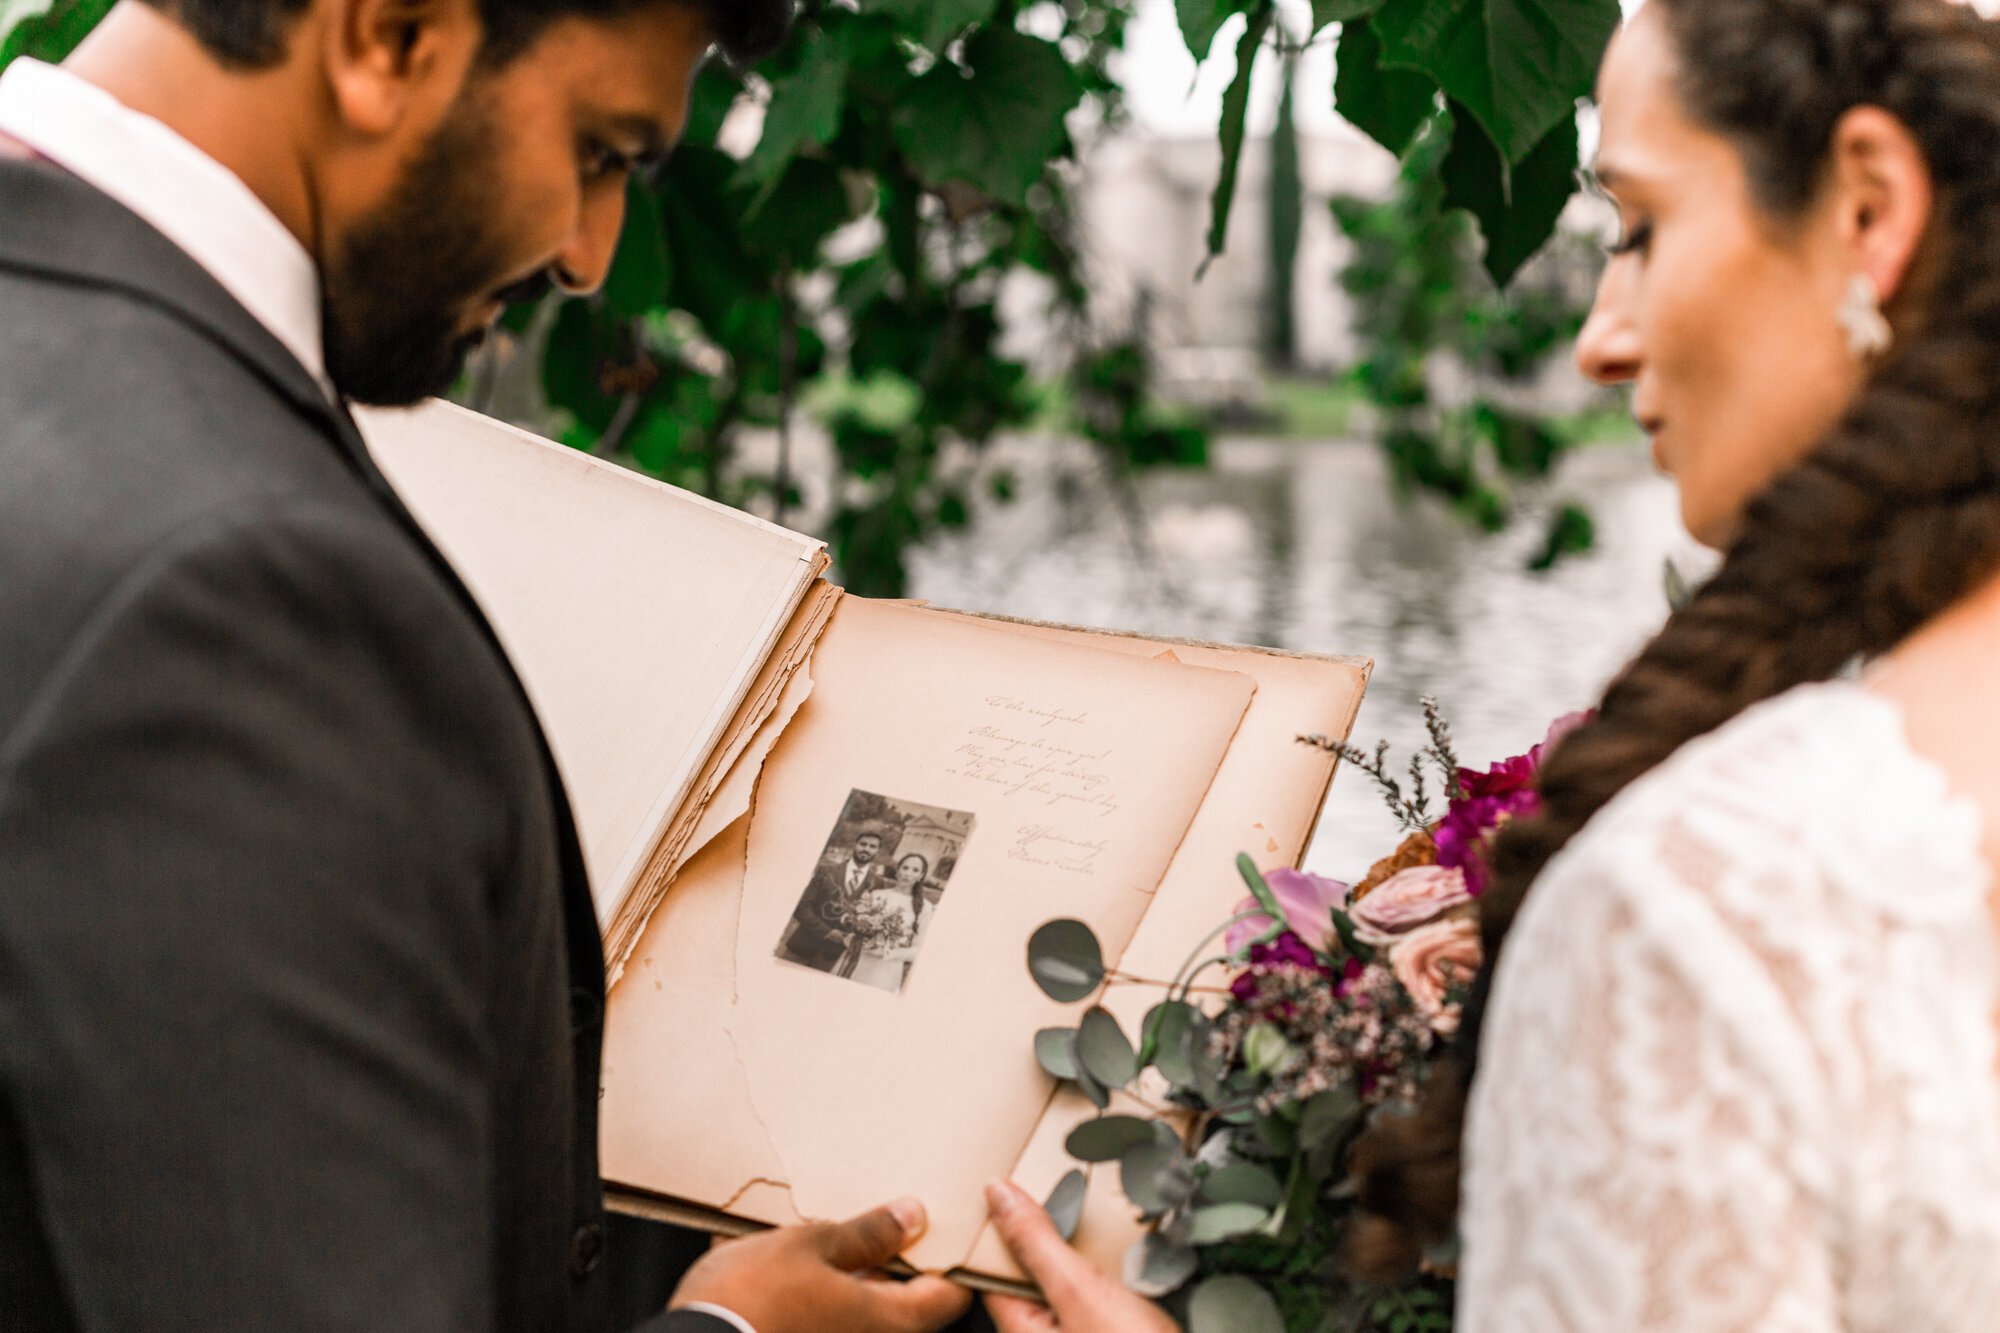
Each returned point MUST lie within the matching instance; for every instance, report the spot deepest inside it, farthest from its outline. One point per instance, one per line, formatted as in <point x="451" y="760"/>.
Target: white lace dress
<point x="1739" y="1072"/>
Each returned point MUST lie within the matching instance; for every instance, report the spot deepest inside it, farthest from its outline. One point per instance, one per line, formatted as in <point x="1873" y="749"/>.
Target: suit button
<point x="585" y="1009"/>
<point x="586" y="1250"/>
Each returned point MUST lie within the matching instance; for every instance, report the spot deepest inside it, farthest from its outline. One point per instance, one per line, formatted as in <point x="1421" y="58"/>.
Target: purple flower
<point x="1308" y="902"/>
<point x="1490" y="799"/>
<point x="1286" y="953"/>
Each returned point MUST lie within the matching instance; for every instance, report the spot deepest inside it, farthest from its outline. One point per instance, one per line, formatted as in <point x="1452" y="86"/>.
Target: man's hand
<point x="1080" y="1298"/>
<point x="819" y="1278"/>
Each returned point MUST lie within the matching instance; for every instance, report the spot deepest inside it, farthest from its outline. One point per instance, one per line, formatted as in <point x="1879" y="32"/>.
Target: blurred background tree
<point x="837" y="224"/>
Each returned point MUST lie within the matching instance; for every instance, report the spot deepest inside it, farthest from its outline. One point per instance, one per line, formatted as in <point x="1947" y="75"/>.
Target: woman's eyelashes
<point x="1634" y="240"/>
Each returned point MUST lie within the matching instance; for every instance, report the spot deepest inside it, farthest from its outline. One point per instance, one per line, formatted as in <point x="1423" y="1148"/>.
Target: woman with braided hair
<point x="1737" y="1062"/>
<point x="1738" y="1044"/>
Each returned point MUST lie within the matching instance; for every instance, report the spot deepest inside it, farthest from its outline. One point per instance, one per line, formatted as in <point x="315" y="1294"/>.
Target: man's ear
<point x="1882" y="185"/>
<point x="388" y="58"/>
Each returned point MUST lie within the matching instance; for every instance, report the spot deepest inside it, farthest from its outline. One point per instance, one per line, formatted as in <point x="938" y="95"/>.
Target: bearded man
<point x="300" y="987"/>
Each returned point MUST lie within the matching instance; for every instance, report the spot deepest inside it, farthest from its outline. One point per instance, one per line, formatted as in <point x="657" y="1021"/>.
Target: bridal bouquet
<point x="1241" y="1100"/>
<point x="880" y="923"/>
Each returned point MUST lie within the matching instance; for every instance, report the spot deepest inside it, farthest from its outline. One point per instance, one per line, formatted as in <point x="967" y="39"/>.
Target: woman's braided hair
<point x="1892" y="518"/>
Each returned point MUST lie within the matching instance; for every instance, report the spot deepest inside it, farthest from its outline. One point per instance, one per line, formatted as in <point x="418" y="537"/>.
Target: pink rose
<point x="1308" y="902"/>
<point x="1432" y="961"/>
<point x="1405" y="899"/>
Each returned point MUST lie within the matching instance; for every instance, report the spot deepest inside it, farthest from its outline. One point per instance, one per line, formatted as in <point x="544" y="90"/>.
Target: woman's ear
<point x="1882" y="191"/>
<point x="385" y="58"/>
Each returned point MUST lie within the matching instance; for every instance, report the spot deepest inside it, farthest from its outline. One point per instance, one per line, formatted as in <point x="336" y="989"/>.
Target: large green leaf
<point x="1201" y="20"/>
<point x="932" y="23"/>
<point x="47" y="31"/>
<point x="805" y="109"/>
<point x="641" y="268"/>
<point x="1388" y="105"/>
<point x="1517" y="65"/>
<point x="995" y="127"/>
<point x="1235" y="106"/>
<point x="806" y="204"/>
<point x="1325" y="12"/>
<point x="1517" y="209"/>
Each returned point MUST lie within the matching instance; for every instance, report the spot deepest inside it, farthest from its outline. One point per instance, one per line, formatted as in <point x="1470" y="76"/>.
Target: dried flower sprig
<point x="1412" y="811"/>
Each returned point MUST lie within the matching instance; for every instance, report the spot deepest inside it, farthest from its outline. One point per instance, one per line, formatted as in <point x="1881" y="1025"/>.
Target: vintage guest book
<point x="820" y="830"/>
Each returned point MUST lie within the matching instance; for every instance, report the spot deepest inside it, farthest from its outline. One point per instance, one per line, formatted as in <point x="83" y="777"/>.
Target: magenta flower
<point x="1287" y="953"/>
<point x="1308" y="902"/>
<point x="1490" y="799"/>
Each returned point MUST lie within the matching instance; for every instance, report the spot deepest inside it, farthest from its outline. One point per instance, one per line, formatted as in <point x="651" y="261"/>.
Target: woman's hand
<point x="1080" y="1298"/>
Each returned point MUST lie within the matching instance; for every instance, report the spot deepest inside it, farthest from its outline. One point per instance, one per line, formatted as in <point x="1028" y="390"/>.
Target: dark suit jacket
<point x="300" y="986"/>
<point x="821" y="912"/>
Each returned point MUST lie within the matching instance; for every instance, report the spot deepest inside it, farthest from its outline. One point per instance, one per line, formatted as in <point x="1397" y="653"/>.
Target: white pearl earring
<point x="1868" y="333"/>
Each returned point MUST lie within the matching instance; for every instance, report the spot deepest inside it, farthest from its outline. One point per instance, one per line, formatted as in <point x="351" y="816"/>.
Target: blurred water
<point x="1301" y="545"/>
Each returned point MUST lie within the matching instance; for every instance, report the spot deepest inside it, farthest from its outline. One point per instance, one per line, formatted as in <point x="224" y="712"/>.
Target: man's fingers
<point x="1034" y="1240"/>
<point x="921" y="1305"/>
<point x="874" y="1238"/>
<point x="1011" y="1314"/>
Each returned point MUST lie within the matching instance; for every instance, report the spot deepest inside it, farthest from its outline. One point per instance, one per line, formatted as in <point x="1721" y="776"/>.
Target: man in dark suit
<point x="300" y="985"/>
<point x="819" y="935"/>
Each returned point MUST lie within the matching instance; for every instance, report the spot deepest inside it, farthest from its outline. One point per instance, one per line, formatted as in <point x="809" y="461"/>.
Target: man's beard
<point x="396" y="291"/>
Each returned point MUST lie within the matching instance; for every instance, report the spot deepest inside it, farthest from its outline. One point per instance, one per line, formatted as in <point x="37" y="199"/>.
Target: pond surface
<point x="1302" y="546"/>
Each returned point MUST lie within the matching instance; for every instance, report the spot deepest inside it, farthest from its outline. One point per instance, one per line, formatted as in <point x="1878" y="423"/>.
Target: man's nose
<point x="580" y="266"/>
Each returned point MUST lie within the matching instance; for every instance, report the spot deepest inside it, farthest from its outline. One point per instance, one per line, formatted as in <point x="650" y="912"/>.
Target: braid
<point x="1893" y="517"/>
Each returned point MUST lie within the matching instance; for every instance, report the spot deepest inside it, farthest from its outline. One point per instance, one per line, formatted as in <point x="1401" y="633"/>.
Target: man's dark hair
<point x="251" y="34"/>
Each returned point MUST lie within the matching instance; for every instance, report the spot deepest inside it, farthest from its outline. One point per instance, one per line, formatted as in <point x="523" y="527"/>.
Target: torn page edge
<point x="672" y="852"/>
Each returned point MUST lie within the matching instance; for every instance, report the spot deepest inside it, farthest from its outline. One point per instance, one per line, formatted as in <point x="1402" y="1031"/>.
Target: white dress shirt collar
<point x="186" y="195"/>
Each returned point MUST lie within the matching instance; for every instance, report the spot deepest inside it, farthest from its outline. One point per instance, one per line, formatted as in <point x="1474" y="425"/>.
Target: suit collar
<point x="55" y="226"/>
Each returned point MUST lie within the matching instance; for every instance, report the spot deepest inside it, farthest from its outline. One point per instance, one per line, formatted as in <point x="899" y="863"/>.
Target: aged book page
<point x="637" y="615"/>
<point x="1265" y="799"/>
<point x="1036" y="779"/>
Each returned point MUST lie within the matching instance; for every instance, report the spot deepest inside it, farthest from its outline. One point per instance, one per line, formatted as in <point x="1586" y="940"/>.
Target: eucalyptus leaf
<point x="1245" y="1182"/>
<point x="1518" y="65"/>
<point x="1235" y="106"/>
<point x="1065" y="1204"/>
<point x="1066" y="960"/>
<point x="1679" y="593"/>
<point x="1327" y="1115"/>
<point x="1100" y="1096"/>
<point x="1055" y="1051"/>
<point x="1225" y="1221"/>
<point x="1101" y="1047"/>
<point x="1233" y="1304"/>
<point x="1108" y="1137"/>
<point x="1156" y="1267"/>
<point x="1165" y="1041"/>
<point x="1153" y="1177"/>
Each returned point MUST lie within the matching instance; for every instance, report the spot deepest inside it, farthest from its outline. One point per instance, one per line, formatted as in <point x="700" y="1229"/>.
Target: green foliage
<point x="1283" y="217"/>
<point x="46" y="29"/>
<point x="1421" y="298"/>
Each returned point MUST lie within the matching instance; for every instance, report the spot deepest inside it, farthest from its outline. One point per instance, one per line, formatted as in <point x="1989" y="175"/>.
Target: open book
<point x="820" y="830"/>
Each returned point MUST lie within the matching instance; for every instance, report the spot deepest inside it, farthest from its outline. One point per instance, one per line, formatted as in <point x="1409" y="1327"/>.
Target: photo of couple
<point x="875" y="890"/>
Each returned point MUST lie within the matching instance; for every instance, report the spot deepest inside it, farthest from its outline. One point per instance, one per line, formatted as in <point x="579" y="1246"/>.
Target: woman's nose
<point x="1608" y="349"/>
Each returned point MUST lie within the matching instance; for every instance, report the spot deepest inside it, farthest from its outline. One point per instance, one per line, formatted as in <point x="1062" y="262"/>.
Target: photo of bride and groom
<point x="875" y="890"/>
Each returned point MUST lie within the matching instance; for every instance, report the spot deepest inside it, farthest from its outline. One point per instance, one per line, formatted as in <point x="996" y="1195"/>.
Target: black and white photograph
<point x="875" y="889"/>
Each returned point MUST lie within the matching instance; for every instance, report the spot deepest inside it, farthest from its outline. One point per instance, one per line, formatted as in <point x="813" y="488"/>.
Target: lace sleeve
<point x="1644" y="1146"/>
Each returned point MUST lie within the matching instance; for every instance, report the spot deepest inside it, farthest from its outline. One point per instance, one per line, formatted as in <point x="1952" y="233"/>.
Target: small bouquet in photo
<point x="1332" y="1003"/>
<point x="881" y="922"/>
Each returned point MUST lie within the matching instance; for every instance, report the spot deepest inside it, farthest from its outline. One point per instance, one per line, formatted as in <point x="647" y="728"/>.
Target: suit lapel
<point x="56" y="227"/>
